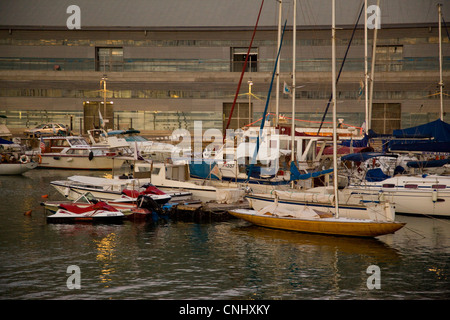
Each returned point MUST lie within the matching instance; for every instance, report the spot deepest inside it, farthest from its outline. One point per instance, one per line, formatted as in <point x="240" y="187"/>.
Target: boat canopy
<point x="438" y="130"/>
<point x="427" y="164"/>
<point x="296" y="175"/>
<point x="115" y="132"/>
<point x="132" y="131"/>
<point x="4" y="141"/>
<point x="430" y="137"/>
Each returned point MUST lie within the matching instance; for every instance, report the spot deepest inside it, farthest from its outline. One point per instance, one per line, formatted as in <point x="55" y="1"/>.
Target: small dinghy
<point x="98" y="212"/>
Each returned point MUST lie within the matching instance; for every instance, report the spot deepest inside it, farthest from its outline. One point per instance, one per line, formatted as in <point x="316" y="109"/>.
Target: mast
<point x="277" y="101"/>
<point x="366" y="75"/>
<point x="441" y="83"/>
<point x="294" y="45"/>
<point x="372" y="72"/>
<point x="333" y="82"/>
<point x="243" y="71"/>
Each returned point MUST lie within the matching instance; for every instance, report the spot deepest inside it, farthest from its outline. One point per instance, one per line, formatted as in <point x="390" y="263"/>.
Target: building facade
<point x="166" y="66"/>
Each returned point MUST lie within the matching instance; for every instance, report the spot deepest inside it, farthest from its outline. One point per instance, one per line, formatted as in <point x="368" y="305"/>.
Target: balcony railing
<point x="215" y="65"/>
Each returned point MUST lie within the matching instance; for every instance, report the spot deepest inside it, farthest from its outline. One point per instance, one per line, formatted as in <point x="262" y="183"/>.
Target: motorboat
<point x="73" y="152"/>
<point x="172" y="179"/>
<point x="13" y="161"/>
<point x="135" y="144"/>
<point x="176" y="177"/>
<point x="16" y="168"/>
<point x="98" y="212"/>
<point x="117" y="189"/>
<point x="10" y="165"/>
<point x="135" y="209"/>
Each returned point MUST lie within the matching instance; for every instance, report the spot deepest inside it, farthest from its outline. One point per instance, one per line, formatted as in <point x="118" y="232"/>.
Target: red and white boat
<point x="133" y="204"/>
<point x="97" y="212"/>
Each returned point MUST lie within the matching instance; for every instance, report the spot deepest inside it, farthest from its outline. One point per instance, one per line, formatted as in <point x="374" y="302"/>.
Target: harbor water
<point x="228" y="260"/>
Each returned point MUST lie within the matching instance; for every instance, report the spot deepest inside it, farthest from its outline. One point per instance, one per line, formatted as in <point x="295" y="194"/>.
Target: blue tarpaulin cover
<point x="438" y="133"/>
<point x="375" y="175"/>
<point x="296" y="175"/>
<point x="363" y="156"/>
<point x="438" y="130"/>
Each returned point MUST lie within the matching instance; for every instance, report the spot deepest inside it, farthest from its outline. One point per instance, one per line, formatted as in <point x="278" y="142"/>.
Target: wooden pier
<point x="203" y="212"/>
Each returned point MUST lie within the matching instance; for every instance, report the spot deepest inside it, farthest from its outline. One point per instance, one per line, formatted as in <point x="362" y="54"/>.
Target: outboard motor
<point x="146" y="202"/>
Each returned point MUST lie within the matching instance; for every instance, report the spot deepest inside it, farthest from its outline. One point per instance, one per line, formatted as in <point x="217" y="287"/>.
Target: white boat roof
<point x="98" y="181"/>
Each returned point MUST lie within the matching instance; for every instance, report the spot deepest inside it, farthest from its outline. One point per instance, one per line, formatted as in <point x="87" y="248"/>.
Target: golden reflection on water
<point x="105" y="254"/>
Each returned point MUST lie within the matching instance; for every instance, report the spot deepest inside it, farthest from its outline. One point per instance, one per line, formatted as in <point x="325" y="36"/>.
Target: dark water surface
<point x="217" y="260"/>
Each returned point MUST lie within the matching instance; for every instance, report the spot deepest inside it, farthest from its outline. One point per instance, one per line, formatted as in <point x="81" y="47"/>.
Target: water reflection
<point x="317" y="266"/>
<point x="105" y="255"/>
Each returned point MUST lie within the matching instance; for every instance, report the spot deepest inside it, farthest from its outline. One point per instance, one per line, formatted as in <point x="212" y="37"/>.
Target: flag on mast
<point x="286" y="89"/>
<point x="41" y="145"/>
<point x="102" y="123"/>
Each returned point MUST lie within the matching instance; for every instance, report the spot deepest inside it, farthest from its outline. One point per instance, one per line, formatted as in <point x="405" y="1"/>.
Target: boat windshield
<point x="78" y="142"/>
<point x="135" y="138"/>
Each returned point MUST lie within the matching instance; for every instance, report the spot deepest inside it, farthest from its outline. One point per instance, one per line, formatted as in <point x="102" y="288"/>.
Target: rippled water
<point x="218" y="260"/>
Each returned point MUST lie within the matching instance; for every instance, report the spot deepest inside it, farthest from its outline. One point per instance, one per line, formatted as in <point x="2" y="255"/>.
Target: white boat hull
<point x="72" y="191"/>
<point x="416" y="202"/>
<point x="63" y="215"/>
<point x="58" y="161"/>
<point x="16" y="168"/>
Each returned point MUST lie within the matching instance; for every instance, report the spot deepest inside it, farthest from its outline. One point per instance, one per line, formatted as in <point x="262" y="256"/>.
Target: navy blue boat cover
<point x="437" y="131"/>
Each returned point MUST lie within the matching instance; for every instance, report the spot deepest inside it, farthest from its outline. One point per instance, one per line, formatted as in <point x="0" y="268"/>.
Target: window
<point x="389" y="58"/>
<point x="386" y="117"/>
<point x="242" y="115"/>
<point x="439" y="186"/>
<point x="238" y="56"/>
<point x="109" y="59"/>
<point x="411" y="186"/>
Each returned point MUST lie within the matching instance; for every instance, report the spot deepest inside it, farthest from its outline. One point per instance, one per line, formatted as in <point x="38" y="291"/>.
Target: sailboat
<point x="413" y="194"/>
<point x="302" y="216"/>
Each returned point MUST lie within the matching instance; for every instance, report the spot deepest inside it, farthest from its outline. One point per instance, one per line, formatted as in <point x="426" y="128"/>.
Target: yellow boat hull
<point x="342" y="227"/>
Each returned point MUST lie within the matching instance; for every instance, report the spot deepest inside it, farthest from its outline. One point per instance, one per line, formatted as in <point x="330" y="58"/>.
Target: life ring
<point x="24" y="159"/>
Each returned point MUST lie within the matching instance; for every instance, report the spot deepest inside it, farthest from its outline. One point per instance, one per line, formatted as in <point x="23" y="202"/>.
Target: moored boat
<point x="412" y="194"/>
<point x="16" y="168"/>
<point x="73" y="152"/>
<point x="98" y="212"/>
<point x="114" y="189"/>
<point x="135" y="209"/>
<point x="13" y="161"/>
<point x="323" y="199"/>
<point x="314" y="223"/>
